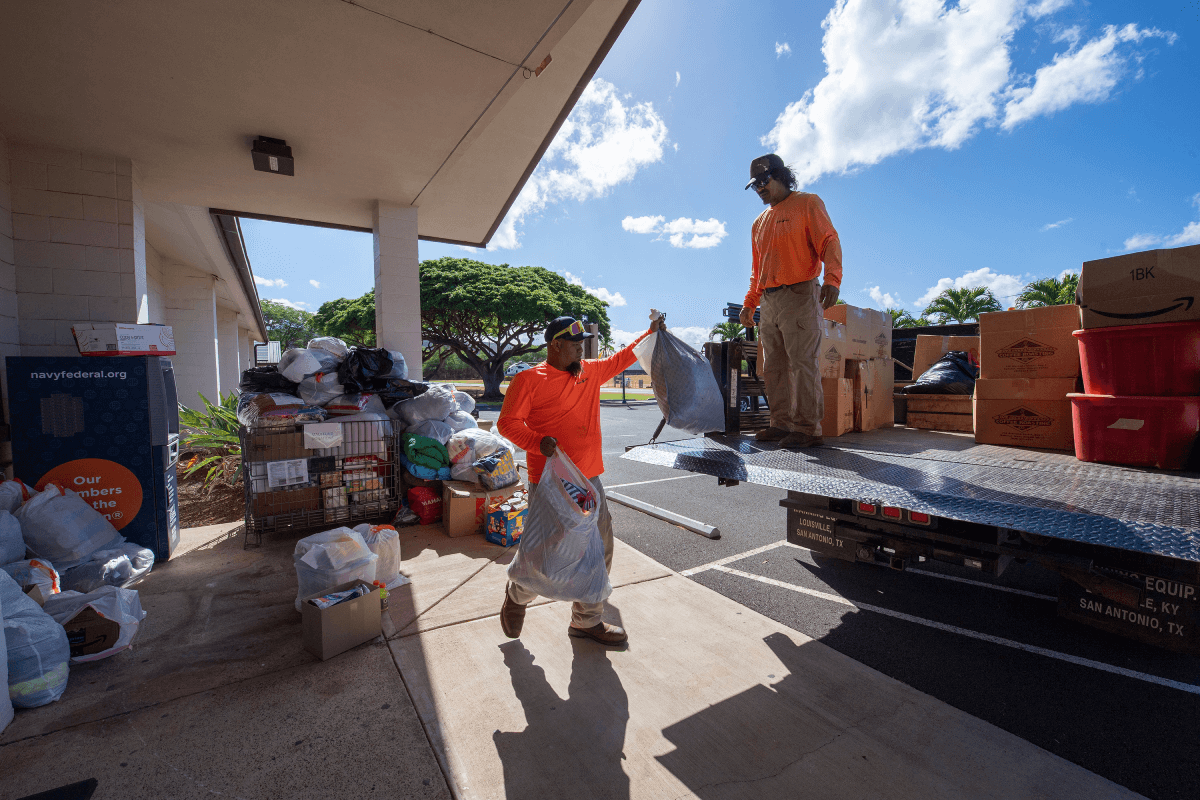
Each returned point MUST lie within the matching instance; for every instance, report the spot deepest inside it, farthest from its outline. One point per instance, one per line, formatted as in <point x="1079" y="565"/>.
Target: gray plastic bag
<point x="684" y="384"/>
<point x="37" y="649"/>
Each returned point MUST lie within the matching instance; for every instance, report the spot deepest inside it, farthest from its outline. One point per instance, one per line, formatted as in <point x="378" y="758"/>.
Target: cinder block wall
<point x="191" y="311"/>
<point x="9" y="344"/>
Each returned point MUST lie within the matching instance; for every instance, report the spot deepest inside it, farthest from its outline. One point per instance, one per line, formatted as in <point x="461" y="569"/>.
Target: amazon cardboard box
<point x="330" y="631"/>
<point x="833" y="350"/>
<point x="88" y="632"/>
<point x="1024" y="412"/>
<point x="930" y="348"/>
<point x="868" y="332"/>
<point x="839" y="406"/>
<point x="1031" y="343"/>
<point x="1141" y="288"/>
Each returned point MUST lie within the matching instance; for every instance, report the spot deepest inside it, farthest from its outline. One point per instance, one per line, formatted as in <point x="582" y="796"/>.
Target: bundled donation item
<point x="37" y="649"/>
<point x="63" y="528"/>
<point x="99" y="624"/>
<point x="384" y="541"/>
<point x="6" y="706"/>
<point x="953" y="373"/>
<point x="12" y="545"/>
<point x="326" y="559"/>
<point x="683" y="381"/>
<point x="560" y="554"/>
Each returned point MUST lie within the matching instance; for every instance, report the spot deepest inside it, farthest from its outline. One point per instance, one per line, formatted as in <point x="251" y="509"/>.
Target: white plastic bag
<point x="435" y="403"/>
<point x="460" y="421"/>
<point x="6" y="708"/>
<point x="330" y="344"/>
<point x="41" y="574"/>
<point x="683" y="381"/>
<point x="120" y="566"/>
<point x="399" y="370"/>
<point x="560" y="554"/>
<point x="297" y="364"/>
<point x="326" y="559"/>
<point x="319" y="389"/>
<point x="14" y="493"/>
<point x="122" y="606"/>
<point x="384" y="541"/>
<point x="465" y="402"/>
<point x="37" y="649"/>
<point x="12" y="544"/>
<point x="63" y="528"/>
<point x="345" y="404"/>
<point x="433" y="429"/>
<point x="470" y="445"/>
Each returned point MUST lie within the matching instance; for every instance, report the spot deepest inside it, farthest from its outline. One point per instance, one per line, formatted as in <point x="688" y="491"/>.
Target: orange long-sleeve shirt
<point x="788" y="243"/>
<point x="544" y="401"/>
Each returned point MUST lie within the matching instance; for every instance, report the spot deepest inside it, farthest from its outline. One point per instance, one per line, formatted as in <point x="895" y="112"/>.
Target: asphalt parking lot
<point x="992" y="647"/>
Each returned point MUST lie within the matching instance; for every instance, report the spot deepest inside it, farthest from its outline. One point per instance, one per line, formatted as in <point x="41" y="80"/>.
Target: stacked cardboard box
<point x="1028" y="364"/>
<point x="857" y="372"/>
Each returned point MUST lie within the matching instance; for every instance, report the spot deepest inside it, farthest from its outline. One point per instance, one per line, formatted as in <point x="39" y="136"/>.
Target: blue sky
<point x="979" y="143"/>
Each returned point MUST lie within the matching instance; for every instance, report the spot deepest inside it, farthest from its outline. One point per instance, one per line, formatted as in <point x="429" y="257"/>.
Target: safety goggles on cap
<point x="574" y="329"/>
<point x="567" y="328"/>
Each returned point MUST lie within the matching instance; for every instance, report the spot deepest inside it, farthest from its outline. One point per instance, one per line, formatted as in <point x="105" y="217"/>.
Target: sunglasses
<point x="761" y="180"/>
<point x="575" y="329"/>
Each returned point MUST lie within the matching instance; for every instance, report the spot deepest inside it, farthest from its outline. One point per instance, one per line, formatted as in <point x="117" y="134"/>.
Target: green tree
<point x="728" y="331"/>
<point x="349" y="319"/>
<point x="1049" y="292"/>
<point x="292" y="327"/>
<point x="903" y="319"/>
<point x="962" y="305"/>
<point x="488" y="313"/>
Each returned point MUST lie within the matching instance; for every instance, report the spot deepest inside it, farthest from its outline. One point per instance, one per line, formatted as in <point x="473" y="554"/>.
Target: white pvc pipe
<point x="669" y="516"/>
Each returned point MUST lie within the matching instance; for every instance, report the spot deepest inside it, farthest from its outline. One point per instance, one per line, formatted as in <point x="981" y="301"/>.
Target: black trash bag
<point x="365" y="369"/>
<point x="266" y="379"/>
<point x="953" y="373"/>
<point x="398" y="390"/>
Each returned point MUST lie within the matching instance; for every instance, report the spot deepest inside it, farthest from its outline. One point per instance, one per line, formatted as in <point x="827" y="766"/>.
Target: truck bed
<point x="1148" y="512"/>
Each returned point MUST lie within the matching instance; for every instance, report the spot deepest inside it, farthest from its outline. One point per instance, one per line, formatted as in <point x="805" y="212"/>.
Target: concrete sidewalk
<point x="711" y="700"/>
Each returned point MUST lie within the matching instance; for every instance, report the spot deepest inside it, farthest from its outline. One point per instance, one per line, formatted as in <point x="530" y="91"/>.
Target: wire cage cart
<point x="293" y="488"/>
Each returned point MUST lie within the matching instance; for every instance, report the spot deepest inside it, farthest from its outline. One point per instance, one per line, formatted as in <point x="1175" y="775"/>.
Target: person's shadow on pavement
<point x="570" y="747"/>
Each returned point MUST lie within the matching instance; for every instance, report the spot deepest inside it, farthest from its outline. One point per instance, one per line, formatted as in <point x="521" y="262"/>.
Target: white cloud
<point x="695" y="335"/>
<point x="680" y="232"/>
<point x="622" y="338"/>
<point x="315" y="284"/>
<point x="677" y="77"/>
<point x="1189" y="235"/>
<point x="299" y="305"/>
<point x="603" y="143"/>
<point x="782" y="49"/>
<point x="902" y="75"/>
<point x="612" y="298"/>
<point x="882" y="299"/>
<point x="1004" y="287"/>
<point x="278" y="282"/>
<point x="1049" y="226"/>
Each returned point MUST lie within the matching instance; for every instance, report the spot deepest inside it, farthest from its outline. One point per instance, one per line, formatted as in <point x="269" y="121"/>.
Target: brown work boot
<point x="601" y="632"/>
<point x="797" y="440"/>
<point x="770" y="435"/>
<point x="512" y="617"/>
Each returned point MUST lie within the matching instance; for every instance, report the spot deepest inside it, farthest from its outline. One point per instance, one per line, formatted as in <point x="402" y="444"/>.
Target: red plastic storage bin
<point x="1136" y="431"/>
<point x="1160" y="360"/>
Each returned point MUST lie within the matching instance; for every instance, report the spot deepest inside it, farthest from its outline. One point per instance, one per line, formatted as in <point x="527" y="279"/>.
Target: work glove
<point x="829" y="295"/>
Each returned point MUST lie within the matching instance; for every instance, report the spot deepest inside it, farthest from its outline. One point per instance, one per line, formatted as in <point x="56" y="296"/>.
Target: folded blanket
<point x="424" y="473"/>
<point x="425" y="451"/>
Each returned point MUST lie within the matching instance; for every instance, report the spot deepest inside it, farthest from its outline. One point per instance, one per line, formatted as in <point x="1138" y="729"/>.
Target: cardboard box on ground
<point x="1143" y="288"/>
<point x="465" y="505"/>
<point x="334" y="630"/>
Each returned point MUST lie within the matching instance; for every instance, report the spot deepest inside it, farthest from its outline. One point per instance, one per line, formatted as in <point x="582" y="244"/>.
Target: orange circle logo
<point x="107" y="486"/>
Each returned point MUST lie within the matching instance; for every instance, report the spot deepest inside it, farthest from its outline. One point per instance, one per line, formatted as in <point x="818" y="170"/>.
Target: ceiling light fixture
<point x="272" y="155"/>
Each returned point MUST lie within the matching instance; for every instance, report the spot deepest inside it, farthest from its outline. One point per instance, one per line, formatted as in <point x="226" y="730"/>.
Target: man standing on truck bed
<point x="557" y="404"/>
<point x="789" y="241"/>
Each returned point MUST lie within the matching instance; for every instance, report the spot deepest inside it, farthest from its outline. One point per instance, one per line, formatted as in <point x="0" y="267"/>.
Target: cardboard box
<point x="465" y="506"/>
<point x="334" y="630"/>
<point x="1031" y="343"/>
<point x="486" y="424"/>
<point x="940" y="412"/>
<point x="833" y="350"/>
<point x="270" y="446"/>
<point x="270" y="504"/>
<point x="1024" y="412"/>
<point x="120" y="339"/>
<point x="1141" y="288"/>
<point x="839" y="406"/>
<point x="931" y="348"/>
<point x="88" y="632"/>
<point x="868" y="332"/>
<point x="874" y="382"/>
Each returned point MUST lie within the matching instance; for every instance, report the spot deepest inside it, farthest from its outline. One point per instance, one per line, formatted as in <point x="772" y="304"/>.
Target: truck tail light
<point x="918" y="518"/>
<point x="866" y="509"/>
<point x="891" y="512"/>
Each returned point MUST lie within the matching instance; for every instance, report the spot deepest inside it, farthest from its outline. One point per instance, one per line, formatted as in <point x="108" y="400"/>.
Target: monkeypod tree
<point x="487" y="314"/>
<point x="351" y="319"/>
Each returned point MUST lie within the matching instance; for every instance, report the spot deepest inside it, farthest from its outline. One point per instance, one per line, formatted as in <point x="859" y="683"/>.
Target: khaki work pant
<point x="583" y="615"/>
<point x="790" y="328"/>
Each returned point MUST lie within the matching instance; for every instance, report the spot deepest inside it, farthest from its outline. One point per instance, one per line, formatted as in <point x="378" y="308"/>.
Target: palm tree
<point x="962" y="305"/>
<point x="607" y="348"/>
<point x="1049" y="292"/>
<point x="903" y="319"/>
<point x="728" y="331"/>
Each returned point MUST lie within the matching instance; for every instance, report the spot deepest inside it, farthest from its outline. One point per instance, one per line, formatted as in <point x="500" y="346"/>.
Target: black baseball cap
<point x="567" y="328"/>
<point x="768" y="163"/>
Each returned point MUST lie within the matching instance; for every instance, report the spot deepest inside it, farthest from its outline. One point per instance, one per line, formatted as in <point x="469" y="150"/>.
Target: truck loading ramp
<point x="948" y="475"/>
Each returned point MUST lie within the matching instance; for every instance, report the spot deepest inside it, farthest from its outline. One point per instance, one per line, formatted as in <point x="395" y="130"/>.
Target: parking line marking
<point x="720" y="562"/>
<point x="1028" y="648"/>
<point x="656" y="480"/>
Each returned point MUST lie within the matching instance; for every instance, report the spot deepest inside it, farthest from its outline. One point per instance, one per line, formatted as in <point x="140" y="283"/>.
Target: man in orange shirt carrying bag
<point x="557" y="404"/>
<point x="789" y="242"/>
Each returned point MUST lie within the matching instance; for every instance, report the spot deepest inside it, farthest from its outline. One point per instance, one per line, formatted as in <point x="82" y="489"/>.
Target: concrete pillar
<point x="9" y="337"/>
<point x="228" y="360"/>
<point x="245" y="350"/>
<point x="79" y="244"/>
<point x="191" y="310"/>
<point x="398" y="283"/>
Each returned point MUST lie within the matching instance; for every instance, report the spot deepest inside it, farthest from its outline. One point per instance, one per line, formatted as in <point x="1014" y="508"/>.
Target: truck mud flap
<point x="1168" y="615"/>
<point x="820" y="533"/>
